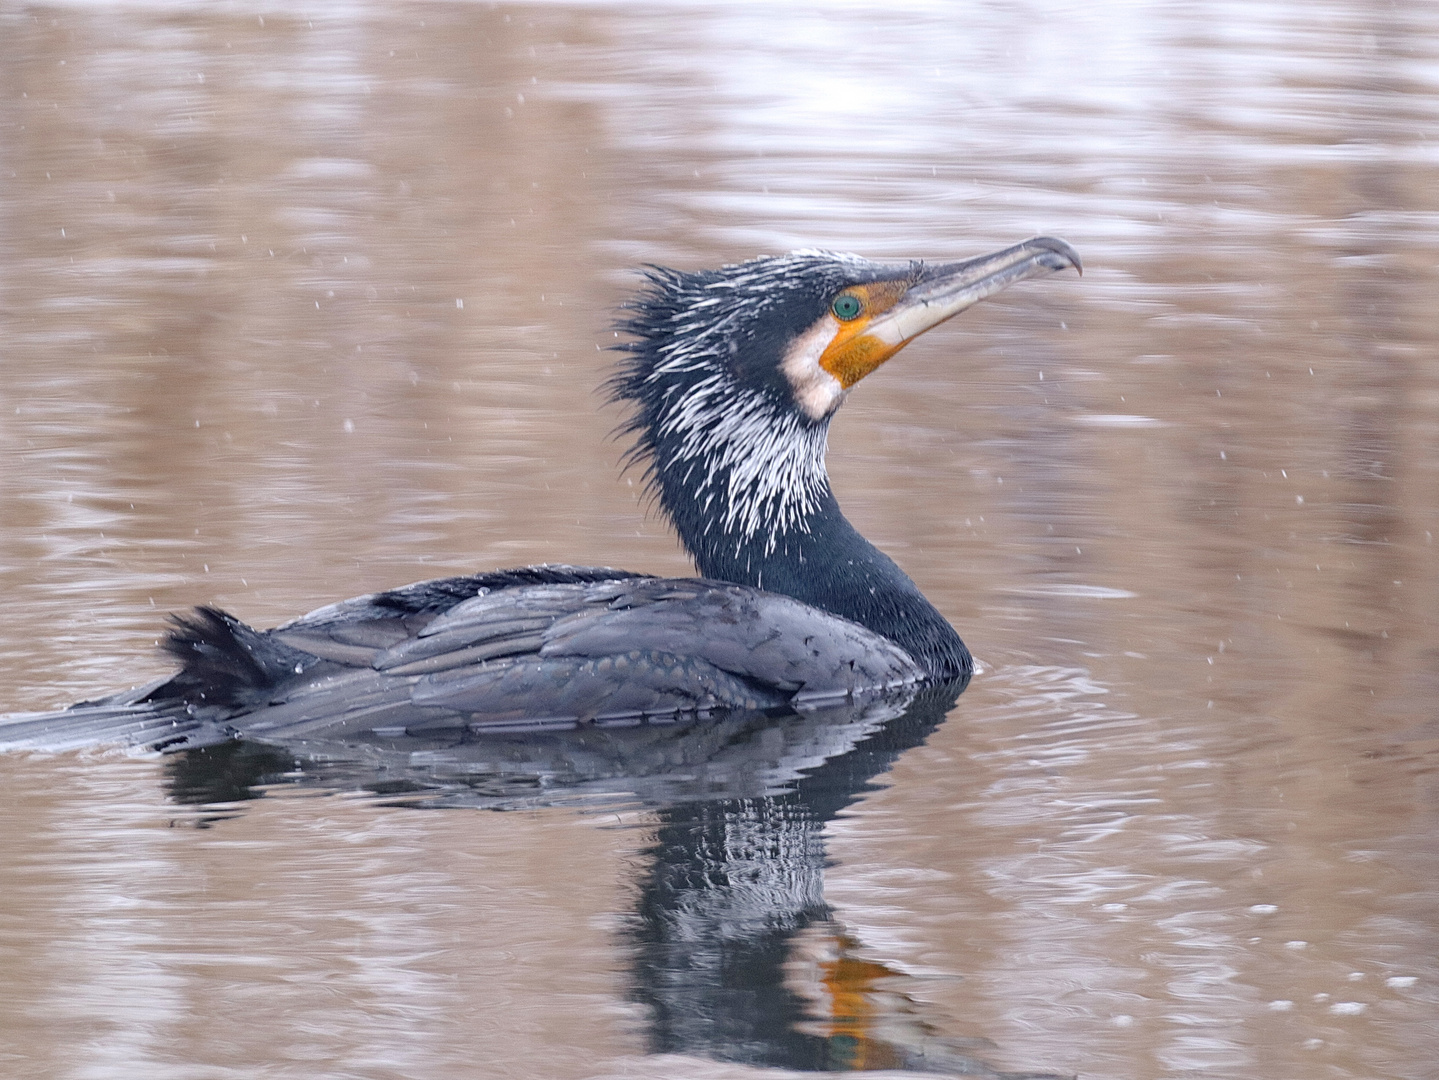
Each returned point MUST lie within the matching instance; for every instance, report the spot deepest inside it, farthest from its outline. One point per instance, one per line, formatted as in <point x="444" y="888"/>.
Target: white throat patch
<point x="816" y="391"/>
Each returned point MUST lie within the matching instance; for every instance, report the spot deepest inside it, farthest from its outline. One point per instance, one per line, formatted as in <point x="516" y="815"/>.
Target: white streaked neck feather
<point x="755" y="468"/>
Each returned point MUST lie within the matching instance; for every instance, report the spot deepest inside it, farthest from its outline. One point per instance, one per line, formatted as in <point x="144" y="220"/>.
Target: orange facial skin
<point x="852" y="353"/>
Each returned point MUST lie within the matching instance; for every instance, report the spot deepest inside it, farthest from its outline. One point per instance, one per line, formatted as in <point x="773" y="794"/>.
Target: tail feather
<point x="132" y="718"/>
<point x="223" y="662"/>
<point x="226" y="667"/>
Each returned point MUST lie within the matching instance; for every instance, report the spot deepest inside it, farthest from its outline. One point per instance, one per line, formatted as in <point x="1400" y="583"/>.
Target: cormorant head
<point x="735" y="373"/>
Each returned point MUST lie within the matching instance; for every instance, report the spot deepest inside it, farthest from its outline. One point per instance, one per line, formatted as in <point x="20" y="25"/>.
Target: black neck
<point x="826" y="563"/>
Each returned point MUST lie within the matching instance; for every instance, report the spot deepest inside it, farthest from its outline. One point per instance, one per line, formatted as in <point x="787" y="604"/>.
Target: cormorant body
<point x="732" y="377"/>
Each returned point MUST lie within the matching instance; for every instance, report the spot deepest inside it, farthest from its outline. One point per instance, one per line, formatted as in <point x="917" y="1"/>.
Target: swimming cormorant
<point x="732" y="377"/>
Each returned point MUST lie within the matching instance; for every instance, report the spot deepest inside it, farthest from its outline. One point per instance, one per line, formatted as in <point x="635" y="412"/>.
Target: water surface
<point x="297" y="307"/>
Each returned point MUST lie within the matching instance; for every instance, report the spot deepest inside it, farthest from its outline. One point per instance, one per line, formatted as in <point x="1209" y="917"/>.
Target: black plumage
<point x="732" y="377"/>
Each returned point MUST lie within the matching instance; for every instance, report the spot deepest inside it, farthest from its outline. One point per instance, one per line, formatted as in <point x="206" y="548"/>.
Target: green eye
<point x="846" y="307"/>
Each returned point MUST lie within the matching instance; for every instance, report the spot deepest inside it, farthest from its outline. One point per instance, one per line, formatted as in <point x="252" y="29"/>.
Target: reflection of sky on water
<point x="854" y="127"/>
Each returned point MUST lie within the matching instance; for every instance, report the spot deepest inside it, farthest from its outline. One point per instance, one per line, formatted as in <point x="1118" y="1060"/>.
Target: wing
<point x="660" y="646"/>
<point x="537" y="647"/>
<point x="553" y="654"/>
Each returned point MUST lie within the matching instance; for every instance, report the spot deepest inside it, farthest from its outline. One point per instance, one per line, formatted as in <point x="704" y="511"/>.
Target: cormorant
<point x="732" y="377"/>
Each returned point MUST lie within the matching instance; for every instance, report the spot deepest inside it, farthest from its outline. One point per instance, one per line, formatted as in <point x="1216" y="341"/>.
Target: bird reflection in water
<point x="733" y="952"/>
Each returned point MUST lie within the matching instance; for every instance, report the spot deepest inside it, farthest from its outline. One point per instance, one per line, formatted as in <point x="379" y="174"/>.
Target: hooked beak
<point x="902" y="310"/>
<point x="946" y="290"/>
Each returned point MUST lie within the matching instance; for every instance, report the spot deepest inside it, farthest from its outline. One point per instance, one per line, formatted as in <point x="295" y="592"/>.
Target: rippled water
<point x="292" y="308"/>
